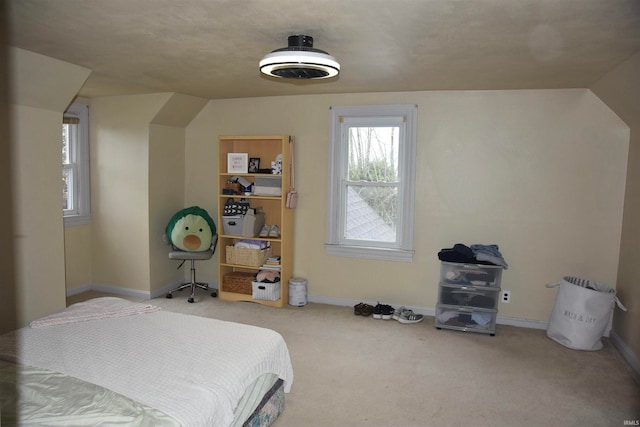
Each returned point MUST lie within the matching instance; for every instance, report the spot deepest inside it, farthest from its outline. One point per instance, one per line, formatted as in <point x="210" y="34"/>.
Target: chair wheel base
<point x="169" y="296"/>
<point x="214" y="294"/>
<point x="190" y="300"/>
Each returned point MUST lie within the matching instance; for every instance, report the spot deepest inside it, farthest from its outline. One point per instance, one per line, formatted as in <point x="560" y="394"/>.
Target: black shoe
<point x="377" y="311"/>
<point x="387" y="312"/>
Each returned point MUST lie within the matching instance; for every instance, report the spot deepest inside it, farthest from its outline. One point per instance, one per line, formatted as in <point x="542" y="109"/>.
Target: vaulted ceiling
<point x="211" y="48"/>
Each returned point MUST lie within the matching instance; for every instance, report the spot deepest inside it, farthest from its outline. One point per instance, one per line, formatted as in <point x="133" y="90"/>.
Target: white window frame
<point x="80" y="187"/>
<point x="341" y="118"/>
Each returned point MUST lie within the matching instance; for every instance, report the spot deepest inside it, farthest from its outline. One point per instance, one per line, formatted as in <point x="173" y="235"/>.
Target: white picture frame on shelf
<point x="237" y="162"/>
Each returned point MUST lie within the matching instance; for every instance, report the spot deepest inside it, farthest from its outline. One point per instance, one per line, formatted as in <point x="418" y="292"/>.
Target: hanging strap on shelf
<point x="292" y="194"/>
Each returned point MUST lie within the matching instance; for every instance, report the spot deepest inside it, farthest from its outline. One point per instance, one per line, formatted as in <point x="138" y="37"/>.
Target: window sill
<point x="73" y="220"/>
<point x="383" y="254"/>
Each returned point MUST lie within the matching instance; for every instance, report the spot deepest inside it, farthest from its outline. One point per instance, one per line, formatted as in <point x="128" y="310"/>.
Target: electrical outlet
<point x="505" y="297"/>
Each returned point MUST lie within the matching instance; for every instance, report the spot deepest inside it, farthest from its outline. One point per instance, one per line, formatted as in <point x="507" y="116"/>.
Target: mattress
<point x="173" y="367"/>
<point x="79" y="403"/>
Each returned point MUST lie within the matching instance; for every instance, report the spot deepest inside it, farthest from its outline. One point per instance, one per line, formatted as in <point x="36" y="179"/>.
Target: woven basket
<point x="238" y="282"/>
<point x="246" y="256"/>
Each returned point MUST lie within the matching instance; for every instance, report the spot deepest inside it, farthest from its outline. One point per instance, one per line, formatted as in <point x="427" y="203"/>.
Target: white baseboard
<point x="625" y="351"/>
<point x="78" y="290"/>
<point x="522" y="323"/>
<point x="426" y="311"/>
<point x="134" y="293"/>
<point x="116" y="290"/>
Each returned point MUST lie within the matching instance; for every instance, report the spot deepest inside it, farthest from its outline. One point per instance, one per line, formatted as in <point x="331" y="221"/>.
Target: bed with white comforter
<point x="176" y="368"/>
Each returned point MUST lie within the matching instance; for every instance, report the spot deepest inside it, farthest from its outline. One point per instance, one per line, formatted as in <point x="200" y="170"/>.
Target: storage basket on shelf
<point x="247" y="256"/>
<point x="238" y="282"/>
<point x="266" y="291"/>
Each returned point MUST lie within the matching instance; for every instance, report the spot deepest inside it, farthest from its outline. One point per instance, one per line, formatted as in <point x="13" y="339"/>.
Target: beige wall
<point x="41" y="89"/>
<point x="541" y="173"/>
<point x="166" y="196"/>
<point x="620" y="89"/>
<point x="119" y="135"/>
<point x="37" y="221"/>
<point x="167" y="183"/>
<point x="77" y="256"/>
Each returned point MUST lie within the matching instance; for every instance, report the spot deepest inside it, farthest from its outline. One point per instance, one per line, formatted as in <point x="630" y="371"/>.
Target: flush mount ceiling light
<point x="299" y="60"/>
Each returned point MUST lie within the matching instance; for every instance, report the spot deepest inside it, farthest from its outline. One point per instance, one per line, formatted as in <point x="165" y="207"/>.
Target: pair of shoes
<point x="362" y="309"/>
<point x="269" y="231"/>
<point x="265" y="231"/>
<point x="382" y="311"/>
<point x="274" y="231"/>
<point x="404" y="315"/>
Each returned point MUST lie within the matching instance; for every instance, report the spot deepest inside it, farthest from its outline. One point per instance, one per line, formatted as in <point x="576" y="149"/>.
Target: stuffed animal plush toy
<point x="191" y="229"/>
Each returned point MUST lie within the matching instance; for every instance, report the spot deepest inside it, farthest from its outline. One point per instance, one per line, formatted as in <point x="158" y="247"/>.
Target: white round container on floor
<point x="297" y="292"/>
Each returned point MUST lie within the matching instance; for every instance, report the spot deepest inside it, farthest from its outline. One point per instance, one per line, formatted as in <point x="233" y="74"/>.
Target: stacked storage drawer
<point x="468" y="297"/>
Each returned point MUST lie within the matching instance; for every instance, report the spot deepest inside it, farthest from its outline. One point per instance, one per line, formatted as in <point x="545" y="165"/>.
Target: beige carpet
<point x="355" y="371"/>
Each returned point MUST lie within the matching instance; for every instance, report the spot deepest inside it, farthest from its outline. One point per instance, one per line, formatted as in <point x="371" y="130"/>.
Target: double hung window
<point x="372" y="181"/>
<point x="75" y="165"/>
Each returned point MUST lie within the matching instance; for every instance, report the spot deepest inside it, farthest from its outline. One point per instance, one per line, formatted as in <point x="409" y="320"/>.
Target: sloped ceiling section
<point x="211" y="48"/>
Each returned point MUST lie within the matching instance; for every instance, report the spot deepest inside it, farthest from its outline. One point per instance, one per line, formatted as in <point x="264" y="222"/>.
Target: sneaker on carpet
<point x="377" y="311"/>
<point x="366" y="310"/>
<point x="397" y="312"/>
<point x="408" y="316"/>
<point x="387" y="312"/>
<point x="357" y="309"/>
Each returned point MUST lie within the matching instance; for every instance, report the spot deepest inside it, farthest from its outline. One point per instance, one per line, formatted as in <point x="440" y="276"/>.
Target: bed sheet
<point x="48" y="398"/>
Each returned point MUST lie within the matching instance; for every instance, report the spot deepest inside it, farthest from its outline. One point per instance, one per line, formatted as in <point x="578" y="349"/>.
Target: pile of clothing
<point x="474" y="254"/>
<point x="465" y="320"/>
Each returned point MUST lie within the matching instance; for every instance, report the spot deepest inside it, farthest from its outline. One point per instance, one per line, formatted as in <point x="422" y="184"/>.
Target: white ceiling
<point x="211" y="48"/>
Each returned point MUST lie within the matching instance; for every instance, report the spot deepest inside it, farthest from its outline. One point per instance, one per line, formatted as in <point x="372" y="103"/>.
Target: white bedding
<point x="191" y="368"/>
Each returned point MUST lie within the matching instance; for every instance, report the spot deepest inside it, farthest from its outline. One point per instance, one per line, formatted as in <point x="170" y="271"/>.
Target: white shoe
<point x="274" y="231"/>
<point x="265" y="231"/>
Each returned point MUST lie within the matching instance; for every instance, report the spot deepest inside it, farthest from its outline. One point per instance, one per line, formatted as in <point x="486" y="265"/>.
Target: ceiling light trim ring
<point x="299" y="58"/>
<point x="270" y="69"/>
<point x="281" y="60"/>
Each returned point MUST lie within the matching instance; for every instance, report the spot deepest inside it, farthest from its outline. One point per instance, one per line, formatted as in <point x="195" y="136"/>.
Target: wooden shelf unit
<point x="265" y="147"/>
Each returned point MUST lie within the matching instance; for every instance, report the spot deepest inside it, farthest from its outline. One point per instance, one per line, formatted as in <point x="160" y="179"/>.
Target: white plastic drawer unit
<point x="470" y="274"/>
<point x="469" y="296"/>
<point x="466" y="319"/>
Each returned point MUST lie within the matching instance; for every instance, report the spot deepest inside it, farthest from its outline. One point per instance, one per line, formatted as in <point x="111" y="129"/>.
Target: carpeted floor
<point x="355" y="371"/>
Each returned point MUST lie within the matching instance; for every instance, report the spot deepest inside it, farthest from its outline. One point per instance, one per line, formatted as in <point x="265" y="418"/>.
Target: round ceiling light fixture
<point x="299" y="60"/>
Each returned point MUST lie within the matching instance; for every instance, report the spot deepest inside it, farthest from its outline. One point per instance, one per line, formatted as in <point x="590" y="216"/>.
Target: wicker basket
<point x="238" y="282"/>
<point x="246" y="256"/>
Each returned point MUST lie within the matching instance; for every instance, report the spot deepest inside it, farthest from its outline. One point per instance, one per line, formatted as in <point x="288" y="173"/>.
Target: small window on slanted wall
<point x="75" y="165"/>
<point x="372" y="181"/>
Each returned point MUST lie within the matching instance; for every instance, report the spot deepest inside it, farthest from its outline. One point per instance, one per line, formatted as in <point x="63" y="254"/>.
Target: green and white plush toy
<point x="191" y="229"/>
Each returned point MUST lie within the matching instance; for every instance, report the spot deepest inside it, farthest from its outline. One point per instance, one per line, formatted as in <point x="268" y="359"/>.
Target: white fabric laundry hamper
<point x="581" y="313"/>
